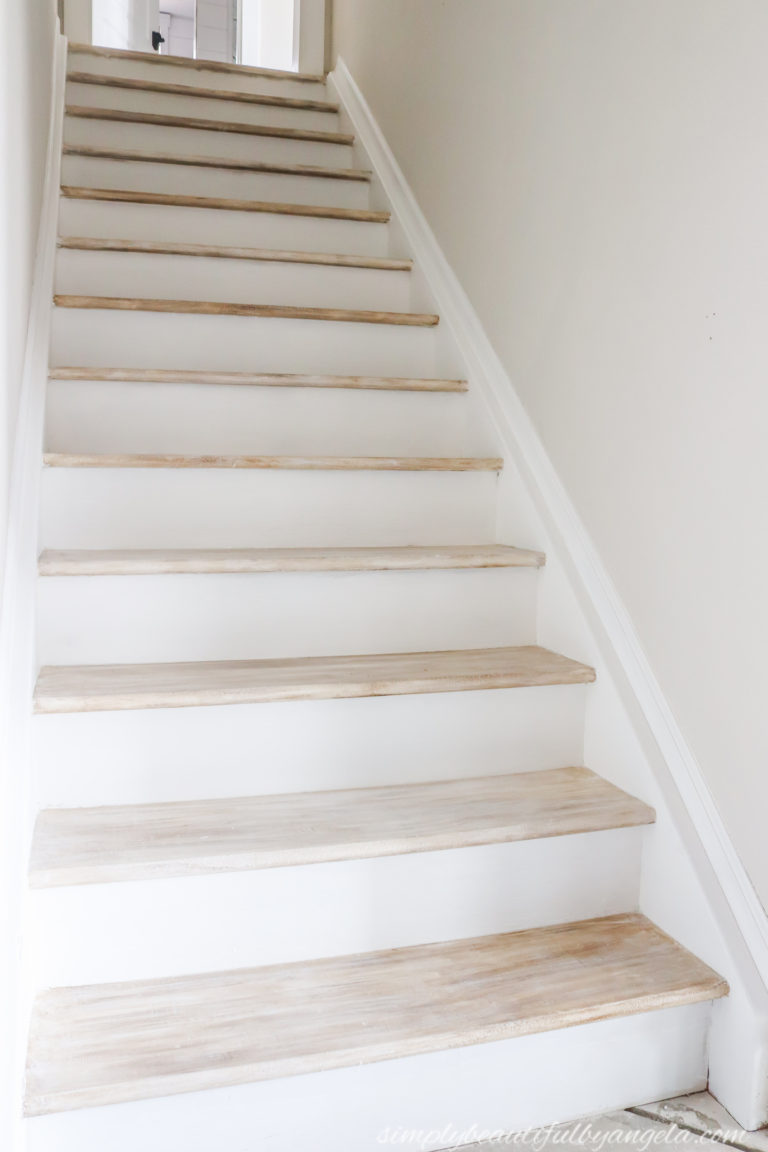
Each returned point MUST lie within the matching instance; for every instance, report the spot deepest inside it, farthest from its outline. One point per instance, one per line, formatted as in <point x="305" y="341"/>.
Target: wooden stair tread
<point x="225" y="204"/>
<point x="251" y="379"/>
<point x="295" y="463"/>
<point x="162" y="120"/>
<point x="129" y="154"/>
<point x="169" y="89"/>
<point x="191" y="838"/>
<point x="268" y="255"/>
<point x="196" y="65"/>
<point x="107" y="687"/>
<point x="112" y="1043"/>
<point x="138" y="562"/>
<point x="257" y="311"/>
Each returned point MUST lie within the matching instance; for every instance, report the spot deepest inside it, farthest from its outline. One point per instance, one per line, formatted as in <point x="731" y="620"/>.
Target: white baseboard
<point x="732" y="899"/>
<point x="17" y="624"/>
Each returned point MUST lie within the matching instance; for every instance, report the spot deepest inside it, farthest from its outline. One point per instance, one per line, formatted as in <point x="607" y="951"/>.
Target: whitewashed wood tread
<point x="253" y="379"/>
<point x="315" y="170"/>
<point x="146" y="562"/>
<point x="192" y="838"/>
<point x="284" y="463"/>
<point x="239" y="128"/>
<point x="255" y="311"/>
<point x="168" y="89"/>
<point x="196" y="65"/>
<point x="112" y="1043"/>
<point x="224" y="204"/>
<point x="113" y="687"/>
<point x="220" y="252"/>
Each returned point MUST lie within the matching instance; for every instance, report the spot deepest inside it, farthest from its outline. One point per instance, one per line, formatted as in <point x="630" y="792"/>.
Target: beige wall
<point x="597" y="174"/>
<point x="25" y="92"/>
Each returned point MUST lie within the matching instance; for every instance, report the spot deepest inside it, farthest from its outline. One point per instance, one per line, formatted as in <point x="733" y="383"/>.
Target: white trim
<point x="17" y="615"/>
<point x="519" y="436"/>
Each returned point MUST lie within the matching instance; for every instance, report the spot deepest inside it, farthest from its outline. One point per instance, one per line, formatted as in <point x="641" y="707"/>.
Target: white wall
<point x="267" y="33"/>
<point x="25" y="93"/>
<point x="312" y="36"/>
<point x="78" y="21"/>
<point x="215" y="30"/>
<point x="179" y="34"/>
<point x="182" y="36"/>
<point x="596" y="174"/>
<point x="125" y="23"/>
<point x="26" y="69"/>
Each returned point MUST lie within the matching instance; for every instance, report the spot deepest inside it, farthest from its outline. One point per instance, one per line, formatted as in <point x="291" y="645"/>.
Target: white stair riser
<point x="195" y="753"/>
<point x="94" y="933"/>
<point x="115" y="221"/>
<point x="109" y="416"/>
<point x="198" y="78"/>
<point x="85" y="336"/>
<point x="143" y="619"/>
<point x="422" y="1102"/>
<point x="205" y="142"/>
<point x="182" y="179"/>
<point x="197" y="107"/>
<point x="241" y="508"/>
<point x="156" y="275"/>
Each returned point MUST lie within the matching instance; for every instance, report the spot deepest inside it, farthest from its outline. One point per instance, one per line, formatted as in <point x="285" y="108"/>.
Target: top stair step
<point x="119" y="54"/>
<point x="118" y="687"/>
<point x="120" y="116"/>
<point x="137" y="562"/>
<point x="112" y="1043"/>
<point x="254" y="379"/>
<point x="169" y="89"/>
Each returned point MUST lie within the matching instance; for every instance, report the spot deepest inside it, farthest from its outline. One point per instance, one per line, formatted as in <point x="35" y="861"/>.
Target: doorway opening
<point x="268" y="34"/>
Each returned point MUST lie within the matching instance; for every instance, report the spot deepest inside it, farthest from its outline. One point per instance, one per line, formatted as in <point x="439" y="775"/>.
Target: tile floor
<point x="695" y="1122"/>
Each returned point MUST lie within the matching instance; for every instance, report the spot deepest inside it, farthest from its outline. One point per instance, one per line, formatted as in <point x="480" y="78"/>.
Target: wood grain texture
<point x="256" y="311"/>
<point x="266" y="255"/>
<point x="292" y="463"/>
<point x="169" y="89"/>
<point x="151" y="841"/>
<point x="110" y="1043"/>
<point x="110" y="687"/>
<point x="253" y="379"/>
<point x="143" y="562"/>
<point x="315" y="170"/>
<point x="195" y="65"/>
<point x="169" y="199"/>
<point x="239" y="128"/>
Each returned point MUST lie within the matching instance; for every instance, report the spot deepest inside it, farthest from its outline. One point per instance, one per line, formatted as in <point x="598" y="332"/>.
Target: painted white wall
<point x="125" y="23"/>
<point x="214" y="30"/>
<point x="78" y="21"/>
<point x="312" y="36"/>
<point x="25" y="91"/>
<point x="179" y="34"/>
<point x="595" y="174"/>
<point x="182" y="41"/>
<point x="268" y="33"/>
<point x="28" y="39"/>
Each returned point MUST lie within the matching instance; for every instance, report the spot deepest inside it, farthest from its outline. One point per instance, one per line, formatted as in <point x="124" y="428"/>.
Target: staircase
<point x="317" y="860"/>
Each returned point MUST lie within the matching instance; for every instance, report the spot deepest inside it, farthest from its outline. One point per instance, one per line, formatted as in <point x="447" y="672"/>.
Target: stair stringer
<point x="17" y="628"/>
<point x="693" y="884"/>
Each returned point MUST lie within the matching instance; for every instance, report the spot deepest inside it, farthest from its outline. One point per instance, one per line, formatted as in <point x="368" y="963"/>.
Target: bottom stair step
<point x="108" y="1044"/>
